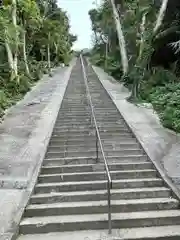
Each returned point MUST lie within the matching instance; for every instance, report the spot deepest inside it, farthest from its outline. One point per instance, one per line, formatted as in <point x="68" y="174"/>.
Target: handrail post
<point x="97" y="151"/>
<point x="109" y="207"/>
<point x="91" y="120"/>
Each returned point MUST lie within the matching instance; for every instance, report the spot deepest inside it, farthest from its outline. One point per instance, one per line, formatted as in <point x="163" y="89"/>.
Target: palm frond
<point x="175" y="46"/>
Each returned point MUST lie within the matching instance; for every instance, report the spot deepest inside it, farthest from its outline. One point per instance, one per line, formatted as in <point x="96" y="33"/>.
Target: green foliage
<point x="157" y="85"/>
<point x="158" y="77"/>
<point x="97" y="60"/>
<point x="4" y="102"/>
<point x="26" y="32"/>
<point x="166" y="101"/>
<point x="113" y="68"/>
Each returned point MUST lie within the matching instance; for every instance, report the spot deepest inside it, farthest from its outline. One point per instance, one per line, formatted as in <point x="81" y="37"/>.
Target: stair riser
<point x="89" y="129"/>
<point x="68" y="124"/>
<point x="87" y="121"/>
<point x="90" y="139"/>
<point x="97" y="186"/>
<point x="93" y="153"/>
<point x="86" y="110"/>
<point x="69" y="109"/>
<point x="73" y="120"/>
<point x="94" y="177"/>
<point x="99" y="197"/>
<point x="103" y="224"/>
<point x="85" y="118"/>
<point x="99" y="209"/>
<point x="94" y="168"/>
<point x="111" y="160"/>
<point x="91" y="148"/>
<point x="126" y="143"/>
<point x="88" y="114"/>
<point x="91" y="134"/>
<point x="88" y="126"/>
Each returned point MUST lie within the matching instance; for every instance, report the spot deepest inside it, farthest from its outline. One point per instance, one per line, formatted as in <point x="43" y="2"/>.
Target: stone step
<point x="77" y="148"/>
<point x="144" y="233"/>
<point x="85" y="120"/>
<point x="76" y="117"/>
<point x="87" y="134"/>
<point x="87" y="117"/>
<point x="79" y="106"/>
<point x="95" y="207"/>
<point x="97" y="185"/>
<point x="90" y="176"/>
<point x="88" y="124"/>
<point x="83" y="138"/>
<point x="120" y="152"/>
<point x="90" y="141"/>
<point x="81" y="110"/>
<point x="95" y="167"/>
<point x="76" y="108"/>
<point x="98" y="195"/>
<point x="91" y="146"/>
<point x="89" y="131"/>
<point x="63" y="123"/>
<point x="99" y="221"/>
<point x="92" y="160"/>
<point x="74" y="120"/>
<point x="88" y="113"/>
<point x="82" y="128"/>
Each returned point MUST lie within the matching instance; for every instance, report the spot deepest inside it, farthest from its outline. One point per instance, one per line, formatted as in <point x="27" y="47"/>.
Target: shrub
<point x="166" y="101"/>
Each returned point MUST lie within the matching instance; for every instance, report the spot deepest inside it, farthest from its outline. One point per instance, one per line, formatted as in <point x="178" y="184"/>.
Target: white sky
<point x="79" y="20"/>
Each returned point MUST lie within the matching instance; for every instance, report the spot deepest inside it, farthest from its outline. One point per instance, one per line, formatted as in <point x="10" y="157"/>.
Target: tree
<point x="29" y="18"/>
<point x="10" y="36"/>
<point x="138" y="25"/>
<point x="121" y="39"/>
<point x="35" y="35"/>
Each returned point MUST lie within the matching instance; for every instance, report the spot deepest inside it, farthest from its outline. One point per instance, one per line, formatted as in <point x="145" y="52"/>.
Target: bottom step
<point x="146" y="233"/>
<point x="99" y="221"/>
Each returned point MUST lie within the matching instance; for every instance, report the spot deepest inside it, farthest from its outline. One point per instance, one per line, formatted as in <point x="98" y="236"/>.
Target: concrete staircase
<point x="71" y="194"/>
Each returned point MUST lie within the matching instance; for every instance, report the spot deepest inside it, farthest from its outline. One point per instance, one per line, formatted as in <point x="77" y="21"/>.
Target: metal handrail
<point x="98" y="138"/>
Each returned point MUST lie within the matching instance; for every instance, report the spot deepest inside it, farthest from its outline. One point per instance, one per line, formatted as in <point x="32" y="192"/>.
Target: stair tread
<point x="96" y="165"/>
<point x="85" y="157"/>
<point x="101" y="203"/>
<point x="99" y="181"/>
<point x="147" y="233"/>
<point x="86" y="150"/>
<point x="100" y="172"/>
<point x="94" y="192"/>
<point x="100" y="217"/>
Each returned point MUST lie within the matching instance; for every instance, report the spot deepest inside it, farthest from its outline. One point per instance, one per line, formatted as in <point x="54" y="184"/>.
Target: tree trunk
<point x="142" y="27"/>
<point x="10" y="59"/>
<point x="48" y="54"/>
<point x="121" y="39"/>
<point x="56" y="51"/>
<point x="134" y="92"/>
<point x="96" y="38"/>
<point x="161" y="14"/>
<point x="14" y="20"/>
<point x="106" y="54"/>
<point x="25" y="54"/>
<point x="138" y="74"/>
<point x="139" y="63"/>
